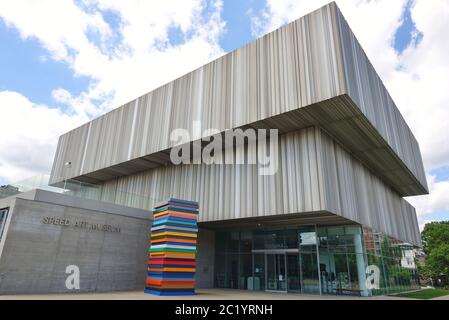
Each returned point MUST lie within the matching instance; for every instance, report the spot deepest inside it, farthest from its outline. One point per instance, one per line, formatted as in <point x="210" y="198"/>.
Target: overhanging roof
<point x="309" y="72"/>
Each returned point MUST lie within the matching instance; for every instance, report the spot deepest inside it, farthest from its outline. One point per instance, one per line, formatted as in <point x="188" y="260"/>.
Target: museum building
<point x="330" y="220"/>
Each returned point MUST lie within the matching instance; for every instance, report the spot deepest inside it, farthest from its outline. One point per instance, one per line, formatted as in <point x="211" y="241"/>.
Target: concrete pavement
<point x="202" y="294"/>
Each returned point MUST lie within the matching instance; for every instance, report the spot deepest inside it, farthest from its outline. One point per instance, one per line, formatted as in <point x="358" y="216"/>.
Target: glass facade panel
<point x="246" y="242"/>
<point x="391" y="264"/>
<point x="276" y="272"/>
<point x="220" y="242"/>
<point x="3" y="214"/>
<point x="232" y="271"/>
<point x="310" y="282"/>
<point x="342" y="262"/>
<point x="308" y="259"/>
<point x="220" y="270"/>
<point x="293" y="274"/>
<point x="258" y="280"/>
<point x="291" y="239"/>
<point x="234" y="240"/>
<point x="274" y="240"/>
<point x="246" y="271"/>
<point x="307" y="239"/>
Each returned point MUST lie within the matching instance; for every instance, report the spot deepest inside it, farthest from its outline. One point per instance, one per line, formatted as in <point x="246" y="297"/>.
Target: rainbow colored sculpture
<point x="171" y="258"/>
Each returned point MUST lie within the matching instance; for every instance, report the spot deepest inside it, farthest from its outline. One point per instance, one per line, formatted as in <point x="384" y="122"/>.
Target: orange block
<point x="179" y="255"/>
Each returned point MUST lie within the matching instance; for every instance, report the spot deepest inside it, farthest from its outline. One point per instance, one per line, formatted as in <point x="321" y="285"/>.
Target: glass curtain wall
<point x="342" y="260"/>
<point x="307" y="239"/>
<point x="391" y="264"/>
<point x="305" y="259"/>
<point x="330" y="260"/>
<point x="3" y="215"/>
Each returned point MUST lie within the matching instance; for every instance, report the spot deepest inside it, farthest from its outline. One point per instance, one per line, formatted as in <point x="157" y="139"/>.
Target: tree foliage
<point x="435" y="238"/>
<point x="435" y="234"/>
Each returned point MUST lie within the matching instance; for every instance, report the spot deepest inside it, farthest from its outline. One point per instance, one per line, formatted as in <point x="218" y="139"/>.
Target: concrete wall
<point x="35" y="255"/>
<point x="205" y="259"/>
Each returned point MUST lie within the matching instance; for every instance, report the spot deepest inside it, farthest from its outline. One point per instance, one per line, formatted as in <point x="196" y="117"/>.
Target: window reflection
<point x="395" y="261"/>
<point x="3" y="214"/>
<point x="342" y="263"/>
<point x="346" y="259"/>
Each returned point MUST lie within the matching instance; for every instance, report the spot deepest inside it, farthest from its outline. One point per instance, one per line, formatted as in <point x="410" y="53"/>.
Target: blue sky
<point x="31" y="66"/>
<point x="235" y="13"/>
<point x="404" y="34"/>
<point x="26" y="68"/>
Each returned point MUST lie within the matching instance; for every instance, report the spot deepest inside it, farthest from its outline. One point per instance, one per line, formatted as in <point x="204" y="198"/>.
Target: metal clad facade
<point x="310" y="73"/>
<point x="292" y="67"/>
<point x="365" y="87"/>
<point x="309" y="61"/>
<point x="315" y="174"/>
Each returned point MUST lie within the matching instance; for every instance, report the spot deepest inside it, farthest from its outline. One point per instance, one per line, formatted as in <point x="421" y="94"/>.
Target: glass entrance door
<point x="276" y="272"/>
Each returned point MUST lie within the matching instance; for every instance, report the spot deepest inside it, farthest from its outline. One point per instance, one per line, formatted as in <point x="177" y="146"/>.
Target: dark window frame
<point x="3" y="217"/>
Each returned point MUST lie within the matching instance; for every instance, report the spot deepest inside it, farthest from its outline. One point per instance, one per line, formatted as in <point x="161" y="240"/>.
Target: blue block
<point x="159" y="293"/>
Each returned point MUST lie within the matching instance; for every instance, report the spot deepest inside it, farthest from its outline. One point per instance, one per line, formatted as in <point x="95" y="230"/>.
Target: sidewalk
<point x="442" y="298"/>
<point x="202" y="294"/>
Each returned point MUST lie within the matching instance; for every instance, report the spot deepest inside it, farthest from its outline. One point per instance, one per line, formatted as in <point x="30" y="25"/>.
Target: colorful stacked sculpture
<point x="171" y="262"/>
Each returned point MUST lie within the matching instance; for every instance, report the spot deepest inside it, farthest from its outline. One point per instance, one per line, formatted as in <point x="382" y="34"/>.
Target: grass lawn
<point x="424" y="294"/>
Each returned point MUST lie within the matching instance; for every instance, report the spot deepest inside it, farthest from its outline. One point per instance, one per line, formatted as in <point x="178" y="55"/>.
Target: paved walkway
<point x="442" y="298"/>
<point x="202" y="294"/>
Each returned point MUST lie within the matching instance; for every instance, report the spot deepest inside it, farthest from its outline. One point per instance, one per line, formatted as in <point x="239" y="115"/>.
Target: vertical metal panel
<point x="315" y="174"/>
<point x="310" y="60"/>
<point x="355" y="193"/>
<point x="365" y="87"/>
<point x="314" y="61"/>
<point x="294" y="66"/>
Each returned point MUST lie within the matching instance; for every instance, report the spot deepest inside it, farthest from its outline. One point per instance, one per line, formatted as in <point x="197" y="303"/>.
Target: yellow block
<point x="181" y="255"/>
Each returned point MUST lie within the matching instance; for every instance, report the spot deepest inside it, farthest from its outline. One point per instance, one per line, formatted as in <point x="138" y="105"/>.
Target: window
<point x="294" y="259"/>
<point x="3" y="215"/>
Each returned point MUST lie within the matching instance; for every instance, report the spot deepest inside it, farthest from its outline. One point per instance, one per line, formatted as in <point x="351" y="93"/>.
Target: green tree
<point x="437" y="262"/>
<point x="435" y="234"/>
<point x="400" y="275"/>
<point x="435" y="238"/>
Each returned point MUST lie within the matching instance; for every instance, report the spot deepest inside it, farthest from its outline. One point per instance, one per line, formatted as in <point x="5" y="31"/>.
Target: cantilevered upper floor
<point x="311" y="72"/>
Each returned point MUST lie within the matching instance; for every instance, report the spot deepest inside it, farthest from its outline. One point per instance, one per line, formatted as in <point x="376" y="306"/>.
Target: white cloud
<point x="420" y="87"/>
<point x="123" y="62"/>
<point x="144" y="58"/>
<point x="60" y="25"/>
<point x="373" y="22"/>
<point x="435" y="201"/>
<point x="28" y="134"/>
<point x="417" y="79"/>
